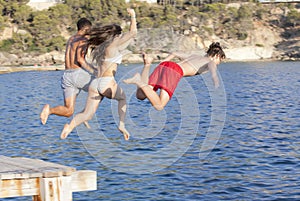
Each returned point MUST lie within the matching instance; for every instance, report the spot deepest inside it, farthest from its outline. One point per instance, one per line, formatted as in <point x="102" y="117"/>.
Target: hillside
<point x="270" y="33"/>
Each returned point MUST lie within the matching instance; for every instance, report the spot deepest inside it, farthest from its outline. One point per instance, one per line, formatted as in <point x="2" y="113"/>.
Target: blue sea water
<point x="240" y="142"/>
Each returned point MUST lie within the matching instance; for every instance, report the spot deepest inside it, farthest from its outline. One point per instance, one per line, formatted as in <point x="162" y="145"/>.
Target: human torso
<point x="113" y="54"/>
<point x="71" y="49"/>
<point x="195" y="64"/>
<point x="112" y="58"/>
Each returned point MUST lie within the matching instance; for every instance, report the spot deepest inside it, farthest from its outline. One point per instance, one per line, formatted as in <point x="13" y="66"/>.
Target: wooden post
<point x="56" y="189"/>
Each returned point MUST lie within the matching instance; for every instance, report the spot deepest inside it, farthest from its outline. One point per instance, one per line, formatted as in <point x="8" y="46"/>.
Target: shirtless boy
<point x="77" y="73"/>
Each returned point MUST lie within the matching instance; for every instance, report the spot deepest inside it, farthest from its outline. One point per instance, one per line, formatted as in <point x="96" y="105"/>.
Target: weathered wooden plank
<point x="16" y="175"/>
<point x="28" y="163"/>
<point x="19" y="187"/>
<point x="3" y="158"/>
<point x="5" y="167"/>
<point x="84" y="180"/>
<point x="56" y="189"/>
<point x="37" y="163"/>
<point x="12" y="167"/>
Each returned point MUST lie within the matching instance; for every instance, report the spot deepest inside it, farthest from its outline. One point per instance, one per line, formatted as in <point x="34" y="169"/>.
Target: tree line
<point x="41" y="31"/>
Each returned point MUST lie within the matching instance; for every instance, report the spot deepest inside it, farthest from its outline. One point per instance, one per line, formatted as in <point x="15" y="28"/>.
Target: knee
<point x="69" y="112"/>
<point x="89" y="117"/>
<point x="158" y="107"/>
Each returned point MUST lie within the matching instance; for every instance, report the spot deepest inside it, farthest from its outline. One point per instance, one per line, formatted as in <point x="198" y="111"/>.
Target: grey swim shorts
<point x="73" y="80"/>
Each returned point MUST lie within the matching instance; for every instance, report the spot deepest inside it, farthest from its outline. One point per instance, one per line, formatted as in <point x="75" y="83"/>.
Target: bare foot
<point x="87" y="124"/>
<point x="44" y="114"/>
<point x="123" y="130"/>
<point x="134" y="80"/>
<point x="66" y="131"/>
<point x="147" y="59"/>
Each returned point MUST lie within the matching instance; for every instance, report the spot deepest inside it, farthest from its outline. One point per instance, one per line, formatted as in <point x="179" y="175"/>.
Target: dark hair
<point x="215" y="49"/>
<point x="83" y="22"/>
<point x="100" y="38"/>
<point x="99" y="35"/>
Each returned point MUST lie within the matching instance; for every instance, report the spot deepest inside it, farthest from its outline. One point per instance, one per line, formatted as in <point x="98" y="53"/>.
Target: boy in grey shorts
<point x="77" y="75"/>
<point x="73" y="80"/>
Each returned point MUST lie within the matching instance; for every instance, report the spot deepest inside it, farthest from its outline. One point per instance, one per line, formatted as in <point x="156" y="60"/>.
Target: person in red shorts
<point x="167" y="74"/>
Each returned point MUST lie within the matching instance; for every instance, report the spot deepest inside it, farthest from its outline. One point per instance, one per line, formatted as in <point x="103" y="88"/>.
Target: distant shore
<point x="134" y="58"/>
<point x="12" y="69"/>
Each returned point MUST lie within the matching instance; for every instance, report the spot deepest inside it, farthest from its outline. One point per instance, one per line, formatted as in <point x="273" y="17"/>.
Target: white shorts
<point x="100" y="84"/>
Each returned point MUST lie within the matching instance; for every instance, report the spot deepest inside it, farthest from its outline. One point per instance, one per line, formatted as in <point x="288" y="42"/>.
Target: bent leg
<point x="118" y="94"/>
<point x="66" y="111"/>
<point x="122" y="107"/>
<point x="92" y="104"/>
<point x="144" y="76"/>
<point x="157" y="101"/>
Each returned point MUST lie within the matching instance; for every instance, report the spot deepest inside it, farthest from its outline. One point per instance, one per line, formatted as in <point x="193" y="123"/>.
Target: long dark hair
<point x="99" y="39"/>
<point x="216" y="49"/>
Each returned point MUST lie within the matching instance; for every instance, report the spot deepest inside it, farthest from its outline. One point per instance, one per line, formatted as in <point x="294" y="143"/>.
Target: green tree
<point x="43" y="29"/>
<point x="214" y="9"/>
<point x="22" y="42"/>
<point x="57" y="43"/>
<point x="61" y="12"/>
<point x="144" y="10"/>
<point x="146" y="22"/>
<point x="6" y="45"/>
<point x="244" y="21"/>
<point x="95" y="10"/>
<point x="2" y="23"/>
<point x="244" y="12"/>
<point x="11" y="6"/>
<point x="77" y="7"/>
<point x="293" y="17"/>
<point x="22" y="15"/>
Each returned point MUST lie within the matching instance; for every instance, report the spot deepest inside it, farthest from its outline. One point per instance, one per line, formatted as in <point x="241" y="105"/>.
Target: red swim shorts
<point x="166" y="76"/>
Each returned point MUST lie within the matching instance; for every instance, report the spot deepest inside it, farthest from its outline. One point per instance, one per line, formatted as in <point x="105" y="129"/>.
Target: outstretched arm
<point x="126" y="38"/>
<point x="213" y="70"/>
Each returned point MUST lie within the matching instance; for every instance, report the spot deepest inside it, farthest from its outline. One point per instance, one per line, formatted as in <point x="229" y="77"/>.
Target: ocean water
<point x="238" y="142"/>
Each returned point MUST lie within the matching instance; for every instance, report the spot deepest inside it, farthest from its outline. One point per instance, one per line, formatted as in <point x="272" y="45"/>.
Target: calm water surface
<point x="256" y="157"/>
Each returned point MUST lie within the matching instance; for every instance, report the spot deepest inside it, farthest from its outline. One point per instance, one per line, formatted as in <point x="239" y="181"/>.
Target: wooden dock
<point x="44" y="181"/>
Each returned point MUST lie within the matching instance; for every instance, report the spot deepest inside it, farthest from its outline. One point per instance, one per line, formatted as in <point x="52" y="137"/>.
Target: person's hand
<point x="131" y="12"/>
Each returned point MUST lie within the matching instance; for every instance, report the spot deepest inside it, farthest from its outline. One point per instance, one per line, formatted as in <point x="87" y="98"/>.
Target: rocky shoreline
<point x="55" y="61"/>
<point x="12" y="69"/>
<point x="264" y="44"/>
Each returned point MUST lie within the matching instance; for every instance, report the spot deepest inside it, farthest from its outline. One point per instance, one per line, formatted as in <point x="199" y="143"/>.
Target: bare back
<point x="76" y="44"/>
<point x="195" y="64"/>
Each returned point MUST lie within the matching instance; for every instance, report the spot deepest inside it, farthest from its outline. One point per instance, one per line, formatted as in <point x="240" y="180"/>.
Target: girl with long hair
<point x="106" y="44"/>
